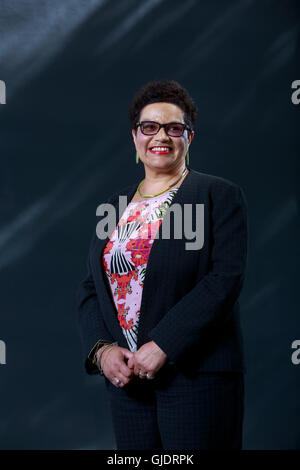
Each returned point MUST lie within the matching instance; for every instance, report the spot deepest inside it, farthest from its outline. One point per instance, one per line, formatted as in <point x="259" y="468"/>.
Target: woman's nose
<point x="162" y="133"/>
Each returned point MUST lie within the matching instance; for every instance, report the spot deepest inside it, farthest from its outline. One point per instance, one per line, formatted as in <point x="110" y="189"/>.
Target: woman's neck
<point x="156" y="182"/>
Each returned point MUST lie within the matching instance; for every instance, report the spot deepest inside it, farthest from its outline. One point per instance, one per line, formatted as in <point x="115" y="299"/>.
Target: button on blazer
<point x="189" y="305"/>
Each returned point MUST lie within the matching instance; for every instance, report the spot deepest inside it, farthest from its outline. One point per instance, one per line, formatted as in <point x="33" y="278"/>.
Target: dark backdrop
<point x="71" y="68"/>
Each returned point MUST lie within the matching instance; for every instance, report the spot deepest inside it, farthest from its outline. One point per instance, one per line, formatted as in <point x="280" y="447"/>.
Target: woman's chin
<point x="159" y="161"/>
<point x="158" y="165"/>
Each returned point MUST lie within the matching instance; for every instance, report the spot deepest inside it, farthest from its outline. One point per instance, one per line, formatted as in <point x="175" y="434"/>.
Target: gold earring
<point x="187" y="158"/>
<point x="137" y="157"/>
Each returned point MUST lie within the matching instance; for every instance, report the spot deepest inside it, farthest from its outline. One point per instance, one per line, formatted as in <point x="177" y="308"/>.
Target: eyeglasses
<point x="173" y="129"/>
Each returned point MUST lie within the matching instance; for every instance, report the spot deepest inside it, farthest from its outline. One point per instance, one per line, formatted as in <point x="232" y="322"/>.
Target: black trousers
<point x="174" y="411"/>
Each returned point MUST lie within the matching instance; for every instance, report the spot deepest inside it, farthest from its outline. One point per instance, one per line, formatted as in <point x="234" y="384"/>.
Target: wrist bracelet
<point x="99" y="354"/>
<point x="97" y="358"/>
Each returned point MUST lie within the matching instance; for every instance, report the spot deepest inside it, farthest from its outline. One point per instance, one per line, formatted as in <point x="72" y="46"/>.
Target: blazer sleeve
<point x="209" y="303"/>
<point x="92" y="330"/>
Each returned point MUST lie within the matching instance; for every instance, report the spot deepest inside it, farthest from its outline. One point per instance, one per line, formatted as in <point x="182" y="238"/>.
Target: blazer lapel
<point x="160" y="250"/>
<point x="103" y="288"/>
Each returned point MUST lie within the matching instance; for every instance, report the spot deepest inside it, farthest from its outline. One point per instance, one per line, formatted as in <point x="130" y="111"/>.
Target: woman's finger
<point x="123" y="380"/>
<point x="125" y="370"/>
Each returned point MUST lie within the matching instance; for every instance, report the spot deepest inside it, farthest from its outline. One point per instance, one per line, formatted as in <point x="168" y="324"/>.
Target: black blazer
<point x="190" y="302"/>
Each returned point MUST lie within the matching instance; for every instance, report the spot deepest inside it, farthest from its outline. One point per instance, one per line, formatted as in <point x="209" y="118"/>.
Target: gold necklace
<point x="157" y="194"/>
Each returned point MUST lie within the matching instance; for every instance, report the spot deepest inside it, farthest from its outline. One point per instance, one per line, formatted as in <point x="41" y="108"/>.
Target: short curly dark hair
<point x="163" y="90"/>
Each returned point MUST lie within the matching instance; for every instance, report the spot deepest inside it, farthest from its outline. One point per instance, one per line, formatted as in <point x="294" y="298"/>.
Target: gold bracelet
<point x="102" y="349"/>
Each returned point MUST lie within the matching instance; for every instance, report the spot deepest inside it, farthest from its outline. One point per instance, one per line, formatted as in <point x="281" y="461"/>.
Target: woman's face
<point x="178" y="146"/>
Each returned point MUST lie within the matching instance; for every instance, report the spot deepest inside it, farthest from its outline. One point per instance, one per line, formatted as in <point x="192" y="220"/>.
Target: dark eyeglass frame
<point x="165" y="126"/>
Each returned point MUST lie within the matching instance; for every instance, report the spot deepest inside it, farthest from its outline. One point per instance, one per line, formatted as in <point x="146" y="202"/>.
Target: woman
<point x="159" y="315"/>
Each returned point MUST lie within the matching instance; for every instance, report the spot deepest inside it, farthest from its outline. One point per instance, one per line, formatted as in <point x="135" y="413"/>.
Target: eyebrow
<point x="151" y="120"/>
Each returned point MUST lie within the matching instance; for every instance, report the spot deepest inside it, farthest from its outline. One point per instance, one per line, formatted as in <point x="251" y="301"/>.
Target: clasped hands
<point x="144" y="363"/>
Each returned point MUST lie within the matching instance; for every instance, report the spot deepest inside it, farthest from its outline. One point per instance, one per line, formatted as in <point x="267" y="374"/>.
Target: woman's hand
<point x="147" y="360"/>
<point x="113" y="364"/>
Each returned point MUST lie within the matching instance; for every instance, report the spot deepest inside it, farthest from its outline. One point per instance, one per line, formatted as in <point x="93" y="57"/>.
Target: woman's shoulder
<point x="211" y="181"/>
<point x="218" y="188"/>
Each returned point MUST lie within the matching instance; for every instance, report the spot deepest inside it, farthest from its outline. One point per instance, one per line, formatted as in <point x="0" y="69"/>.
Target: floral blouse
<point x="125" y="258"/>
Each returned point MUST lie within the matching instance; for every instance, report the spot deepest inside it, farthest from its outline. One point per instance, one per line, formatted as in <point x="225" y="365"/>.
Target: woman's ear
<point x="191" y="136"/>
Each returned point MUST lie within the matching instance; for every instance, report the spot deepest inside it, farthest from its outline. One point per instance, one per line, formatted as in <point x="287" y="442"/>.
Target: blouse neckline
<point x="153" y="198"/>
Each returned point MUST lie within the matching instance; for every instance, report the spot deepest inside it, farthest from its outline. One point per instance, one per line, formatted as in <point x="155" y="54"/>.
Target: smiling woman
<point x="161" y="132"/>
<point x="172" y="129"/>
<point x="158" y="320"/>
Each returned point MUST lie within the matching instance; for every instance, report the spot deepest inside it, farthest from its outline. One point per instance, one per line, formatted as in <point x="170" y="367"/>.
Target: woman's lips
<point x="160" y="152"/>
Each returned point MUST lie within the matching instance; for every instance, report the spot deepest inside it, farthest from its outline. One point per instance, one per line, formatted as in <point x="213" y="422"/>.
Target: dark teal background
<point x="71" y="68"/>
